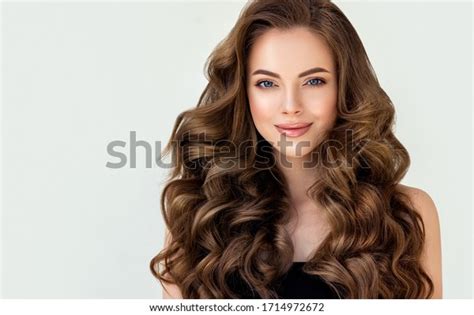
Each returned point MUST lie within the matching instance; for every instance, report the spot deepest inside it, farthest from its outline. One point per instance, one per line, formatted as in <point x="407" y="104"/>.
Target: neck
<point x="298" y="176"/>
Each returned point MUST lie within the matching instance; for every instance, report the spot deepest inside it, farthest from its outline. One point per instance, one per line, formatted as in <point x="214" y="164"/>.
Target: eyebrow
<point x="302" y="74"/>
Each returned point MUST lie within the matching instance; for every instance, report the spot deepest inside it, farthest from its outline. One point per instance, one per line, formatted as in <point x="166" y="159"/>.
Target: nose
<point x="292" y="104"/>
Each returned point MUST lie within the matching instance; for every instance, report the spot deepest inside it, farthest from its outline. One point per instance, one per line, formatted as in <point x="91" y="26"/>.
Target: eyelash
<point x="315" y="85"/>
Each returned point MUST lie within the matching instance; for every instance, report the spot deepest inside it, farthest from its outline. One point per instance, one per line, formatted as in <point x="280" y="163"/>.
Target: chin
<point x="292" y="153"/>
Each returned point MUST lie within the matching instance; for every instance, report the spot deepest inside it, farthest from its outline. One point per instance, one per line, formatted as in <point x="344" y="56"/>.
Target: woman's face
<point x="291" y="79"/>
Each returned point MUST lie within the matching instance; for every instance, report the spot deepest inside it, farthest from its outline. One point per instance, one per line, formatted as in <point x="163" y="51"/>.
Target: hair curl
<point x="228" y="219"/>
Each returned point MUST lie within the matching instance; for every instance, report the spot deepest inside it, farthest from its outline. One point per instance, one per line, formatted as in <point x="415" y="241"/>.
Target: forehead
<point x="297" y="49"/>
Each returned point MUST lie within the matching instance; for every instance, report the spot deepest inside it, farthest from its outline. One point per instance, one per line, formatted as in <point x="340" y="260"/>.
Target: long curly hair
<point x="225" y="204"/>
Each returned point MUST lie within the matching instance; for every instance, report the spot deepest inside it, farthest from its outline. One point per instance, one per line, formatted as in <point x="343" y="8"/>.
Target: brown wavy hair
<point x="225" y="204"/>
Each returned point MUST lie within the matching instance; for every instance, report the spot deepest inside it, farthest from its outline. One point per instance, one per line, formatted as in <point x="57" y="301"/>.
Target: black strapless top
<point x="295" y="284"/>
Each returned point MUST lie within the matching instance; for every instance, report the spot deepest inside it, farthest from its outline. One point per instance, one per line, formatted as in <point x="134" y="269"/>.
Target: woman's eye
<point x="265" y="85"/>
<point x="269" y="84"/>
<point x="316" y="82"/>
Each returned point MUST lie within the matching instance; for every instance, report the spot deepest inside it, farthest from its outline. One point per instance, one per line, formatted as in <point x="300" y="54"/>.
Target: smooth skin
<point x="311" y="97"/>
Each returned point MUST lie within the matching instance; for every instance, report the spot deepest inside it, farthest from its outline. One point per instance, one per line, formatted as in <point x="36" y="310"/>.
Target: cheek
<point x="261" y="110"/>
<point x="324" y="108"/>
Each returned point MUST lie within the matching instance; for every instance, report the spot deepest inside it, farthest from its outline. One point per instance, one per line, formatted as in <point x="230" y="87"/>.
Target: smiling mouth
<point x="293" y="131"/>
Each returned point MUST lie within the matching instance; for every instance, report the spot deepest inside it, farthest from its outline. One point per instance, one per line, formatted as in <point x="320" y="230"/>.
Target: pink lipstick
<point x="293" y="130"/>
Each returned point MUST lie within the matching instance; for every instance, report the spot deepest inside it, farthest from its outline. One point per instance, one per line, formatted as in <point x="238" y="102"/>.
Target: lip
<point x="293" y="130"/>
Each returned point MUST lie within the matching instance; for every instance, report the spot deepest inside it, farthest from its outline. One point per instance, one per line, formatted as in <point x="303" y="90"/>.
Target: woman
<point x="287" y="175"/>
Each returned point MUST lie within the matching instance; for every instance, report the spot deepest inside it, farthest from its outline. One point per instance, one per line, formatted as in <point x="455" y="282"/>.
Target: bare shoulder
<point x="431" y="258"/>
<point x="423" y="204"/>
<point x="419" y="198"/>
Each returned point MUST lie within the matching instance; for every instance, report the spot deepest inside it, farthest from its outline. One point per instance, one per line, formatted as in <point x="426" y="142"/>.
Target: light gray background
<point x="76" y="76"/>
